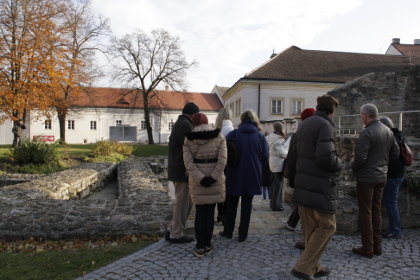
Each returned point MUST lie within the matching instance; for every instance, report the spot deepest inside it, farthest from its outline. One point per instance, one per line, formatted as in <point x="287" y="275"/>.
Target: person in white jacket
<point x="224" y="123"/>
<point x="277" y="155"/>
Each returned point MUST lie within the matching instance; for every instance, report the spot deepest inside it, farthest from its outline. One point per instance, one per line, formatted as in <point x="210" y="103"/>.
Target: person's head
<point x="387" y="121"/>
<point x="278" y="128"/>
<point x="368" y="112"/>
<point x="250" y="115"/>
<point x="199" y="118"/>
<point x="190" y="109"/>
<point x="224" y="114"/>
<point x="308" y="112"/>
<point x="326" y="104"/>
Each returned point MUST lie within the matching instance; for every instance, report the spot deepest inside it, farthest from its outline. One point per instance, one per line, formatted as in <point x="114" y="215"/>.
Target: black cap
<point x="190" y="109"/>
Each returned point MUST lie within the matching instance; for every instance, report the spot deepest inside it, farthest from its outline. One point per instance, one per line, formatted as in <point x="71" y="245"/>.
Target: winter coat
<point x="204" y="143"/>
<point x="277" y="152"/>
<point x="227" y="126"/>
<point x="396" y="168"/>
<point x="314" y="157"/>
<point x="176" y="167"/>
<point x="375" y="147"/>
<point x="246" y="177"/>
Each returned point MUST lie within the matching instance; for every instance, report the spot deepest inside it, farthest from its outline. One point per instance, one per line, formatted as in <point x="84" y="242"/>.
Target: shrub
<point x="102" y="148"/>
<point x="122" y="148"/>
<point x="36" y="152"/>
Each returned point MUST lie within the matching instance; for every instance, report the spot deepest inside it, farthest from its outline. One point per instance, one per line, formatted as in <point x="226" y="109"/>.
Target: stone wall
<point x="31" y="210"/>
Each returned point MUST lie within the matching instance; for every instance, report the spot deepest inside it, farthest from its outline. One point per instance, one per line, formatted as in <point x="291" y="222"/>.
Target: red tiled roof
<point x="295" y="64"/>
<point x="408" y="49"/>
<point x="126" y="98"/>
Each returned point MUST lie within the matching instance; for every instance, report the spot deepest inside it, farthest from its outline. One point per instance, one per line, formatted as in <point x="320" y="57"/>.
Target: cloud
<point x="222" y="34"/>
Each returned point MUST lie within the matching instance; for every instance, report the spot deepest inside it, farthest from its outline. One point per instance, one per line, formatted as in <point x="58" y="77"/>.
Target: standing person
<point x="294" y="218"/>
<point x="176" y="173"/>
<point x="277" y="155"/>
<point x="205" y="156"/>
<point x="244" y="180"/>
<point x="375" y="147"/>
<point x="18" y="127"/>
<point x="314" y="157"/>
<point x="266" y="181"/>
<point x="224" y="123"/>
<point x="395" y="176"/>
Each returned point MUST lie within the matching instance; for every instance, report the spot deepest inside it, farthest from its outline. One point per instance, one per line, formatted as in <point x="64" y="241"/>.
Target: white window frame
<point x="143" y="125"/>
<point x="118" y="122"/>
<point x="71" y="125"/>
<point x="238" y="107"/>
<point x="171" y="125"/>
<point x="93" y="125"/>
<point x="272" y="106"/>
<point x="48" y="125"/>
<point x="294" y="109"/>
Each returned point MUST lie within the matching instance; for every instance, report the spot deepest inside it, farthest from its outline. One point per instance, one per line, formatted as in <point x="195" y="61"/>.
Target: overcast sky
<point x="229" y="38"/>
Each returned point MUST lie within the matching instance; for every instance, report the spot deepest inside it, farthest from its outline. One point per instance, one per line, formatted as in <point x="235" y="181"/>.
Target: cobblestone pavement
<point x="268" y="253"/>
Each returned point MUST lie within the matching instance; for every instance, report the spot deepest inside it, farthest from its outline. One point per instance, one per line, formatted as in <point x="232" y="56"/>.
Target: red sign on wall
<point x="45" y="138"/>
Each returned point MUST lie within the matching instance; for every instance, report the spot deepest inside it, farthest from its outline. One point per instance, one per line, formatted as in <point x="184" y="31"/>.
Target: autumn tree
<point x="143" y="62"/>
<point x="80" y="32"/>
<point x="28" y="44"/>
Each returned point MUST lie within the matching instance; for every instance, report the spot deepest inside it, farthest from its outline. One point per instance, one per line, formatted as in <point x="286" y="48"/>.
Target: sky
<point x="229" y="38"/>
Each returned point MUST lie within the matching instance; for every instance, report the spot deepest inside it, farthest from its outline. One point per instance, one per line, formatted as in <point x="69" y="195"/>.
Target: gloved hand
<point x="207" y="181"/>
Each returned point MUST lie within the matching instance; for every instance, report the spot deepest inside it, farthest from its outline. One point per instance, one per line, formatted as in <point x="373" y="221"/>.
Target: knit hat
<point x="199" y="118"/>
<point x="190" y="109"/>
<point x="308" y="112"/>
<point x="278" y="127"/>
<point x="327" y="100"/>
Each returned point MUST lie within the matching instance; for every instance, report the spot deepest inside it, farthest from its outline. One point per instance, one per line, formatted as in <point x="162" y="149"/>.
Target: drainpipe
<point x="259" y="101"/>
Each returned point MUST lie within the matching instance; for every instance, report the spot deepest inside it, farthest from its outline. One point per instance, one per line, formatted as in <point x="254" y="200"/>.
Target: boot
<point x="363" y="252"/>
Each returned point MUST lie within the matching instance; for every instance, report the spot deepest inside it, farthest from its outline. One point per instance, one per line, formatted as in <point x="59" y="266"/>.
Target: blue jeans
<point x="265" y="190"/>
<point x="390" y="200"/>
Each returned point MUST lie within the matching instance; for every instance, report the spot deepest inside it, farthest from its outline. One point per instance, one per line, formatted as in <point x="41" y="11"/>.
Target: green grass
<point x="68" y="264"/>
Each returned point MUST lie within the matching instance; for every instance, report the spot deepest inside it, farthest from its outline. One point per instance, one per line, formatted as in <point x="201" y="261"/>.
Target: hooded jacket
<point x="313" y="155"/>
<point x="277" y="152"/>
<point x="246" y="177"/>
<point x="204" y="143"/>
<point x="396" y="168"/>
<point x="227" y="127"/>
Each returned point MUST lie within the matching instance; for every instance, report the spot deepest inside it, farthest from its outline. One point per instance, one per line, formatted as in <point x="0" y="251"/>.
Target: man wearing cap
<point x="17" y="130"/>
<point x="177" y="174"/>
<point x="317" y="164"/>
<point x="375" y="147"/>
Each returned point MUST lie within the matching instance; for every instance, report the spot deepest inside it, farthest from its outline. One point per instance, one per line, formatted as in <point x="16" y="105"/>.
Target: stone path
<point x="268" y="253"/>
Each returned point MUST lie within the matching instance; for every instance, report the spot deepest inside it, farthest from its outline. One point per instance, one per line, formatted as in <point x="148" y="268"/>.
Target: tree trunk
<point x="62" y="122"/>
<point x="147" y="118"/>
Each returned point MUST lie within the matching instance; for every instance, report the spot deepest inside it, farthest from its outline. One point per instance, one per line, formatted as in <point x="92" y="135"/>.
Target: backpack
<point x="406" y="154"/>
<point x="232" y="151"/>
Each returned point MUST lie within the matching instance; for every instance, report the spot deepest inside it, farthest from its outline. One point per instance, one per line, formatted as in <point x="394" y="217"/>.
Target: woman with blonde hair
<point x="245" y="179"/>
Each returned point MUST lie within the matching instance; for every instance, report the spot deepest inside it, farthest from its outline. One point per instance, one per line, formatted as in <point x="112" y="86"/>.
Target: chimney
<point x="396" y="40"/>
<point x="416" y="41"/>
<point x="273" y="54"/>
<point x="166" y="88"/>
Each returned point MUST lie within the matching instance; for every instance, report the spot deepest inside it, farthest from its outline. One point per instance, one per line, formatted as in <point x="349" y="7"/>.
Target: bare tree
<point x="80" y="33"/>
<point x="143" y="62"/>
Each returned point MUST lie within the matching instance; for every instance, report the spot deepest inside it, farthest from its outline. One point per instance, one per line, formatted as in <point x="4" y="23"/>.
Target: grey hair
<point x="387" y="121"/>
<point x="278" y="126"/>
<point x="370" y="109"/>
<point x="224" y="114"/>
<point x="251" y="115"/>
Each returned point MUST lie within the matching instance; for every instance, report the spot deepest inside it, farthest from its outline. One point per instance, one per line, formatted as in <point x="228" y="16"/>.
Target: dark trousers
<point x="276" y="202"/>
<point x="204" y="224"/>
<point x="369" y="198"/>
<point x="231" y="212"/>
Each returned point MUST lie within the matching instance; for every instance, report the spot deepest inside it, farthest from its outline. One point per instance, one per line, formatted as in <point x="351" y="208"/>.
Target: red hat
<point x="308" y="112"/>
<point x="199" y="118"/>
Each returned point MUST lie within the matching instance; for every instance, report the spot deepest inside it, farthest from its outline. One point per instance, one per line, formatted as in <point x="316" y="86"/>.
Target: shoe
<point x="300" y="245"/>
<point x="184" y="239"/>
<point x="208" y="250"/>
<point x="300" y="275"/>
<point x="284" y="223"/>
<point x="298" y="230"/>
<point x="391" y="236"/>
<point x="167" y="235"/>
<point x="324" y="272"/>
<point x="223" y="234"/>
<point x="377" y="250"/>
<point x="361" y="251"/>
<point x="199" y="252"/>
<point x="241" y="239"/>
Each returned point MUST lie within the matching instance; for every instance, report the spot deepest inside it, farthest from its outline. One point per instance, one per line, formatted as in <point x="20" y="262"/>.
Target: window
<point x="118" y="122"/>
<point x="238" y="107"/>
<point x="296" y="107"/>
<point x="70" y="125"/>
<point x="232" y="107"/>
<point x="143" y="125"/>
<point x="171" y="125"/>
<point x="276" y="106"/>
<point x="92" y="125"/>
<point x="47" y="124"/>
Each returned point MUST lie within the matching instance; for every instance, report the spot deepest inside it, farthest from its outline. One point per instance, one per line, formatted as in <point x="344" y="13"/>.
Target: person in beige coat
<point x="205" y="156"/>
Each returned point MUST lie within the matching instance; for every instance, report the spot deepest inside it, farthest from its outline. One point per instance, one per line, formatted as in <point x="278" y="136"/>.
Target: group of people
<point x="197" y="166"/>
